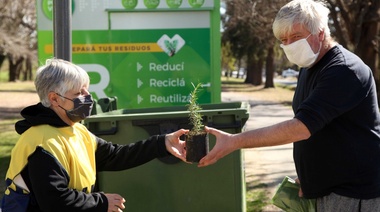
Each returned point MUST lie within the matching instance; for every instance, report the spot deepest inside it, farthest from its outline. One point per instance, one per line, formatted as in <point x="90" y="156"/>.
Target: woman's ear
<point x="53" y="98"/>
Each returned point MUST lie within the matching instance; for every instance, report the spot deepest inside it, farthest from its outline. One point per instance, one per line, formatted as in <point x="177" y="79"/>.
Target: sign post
<point x="62" y="29"/>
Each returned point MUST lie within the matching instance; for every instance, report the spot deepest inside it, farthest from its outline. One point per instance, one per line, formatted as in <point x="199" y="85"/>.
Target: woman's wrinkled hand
<point x="115" y="202"/>
<point x="175" y="145"/>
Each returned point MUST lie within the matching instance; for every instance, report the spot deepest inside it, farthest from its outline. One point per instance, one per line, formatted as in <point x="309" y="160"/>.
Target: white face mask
<point x="300" y="52"/>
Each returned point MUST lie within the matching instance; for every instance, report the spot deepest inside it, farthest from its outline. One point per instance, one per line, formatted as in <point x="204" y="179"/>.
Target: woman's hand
<point x="115" y="202"/>
<point x="175" y="145"/>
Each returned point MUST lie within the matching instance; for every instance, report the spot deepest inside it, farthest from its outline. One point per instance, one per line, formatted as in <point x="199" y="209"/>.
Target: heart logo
<point x="171" y="45"/>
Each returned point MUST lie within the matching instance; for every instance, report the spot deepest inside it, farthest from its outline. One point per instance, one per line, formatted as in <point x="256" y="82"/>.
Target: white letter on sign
<point x="98" y="88"/>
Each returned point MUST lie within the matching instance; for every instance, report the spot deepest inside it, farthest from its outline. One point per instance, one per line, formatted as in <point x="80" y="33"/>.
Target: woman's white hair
<point x="313" y="15"/>
<point x="59" y="76"/>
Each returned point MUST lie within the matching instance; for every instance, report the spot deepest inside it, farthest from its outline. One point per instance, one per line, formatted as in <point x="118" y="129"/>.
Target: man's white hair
<point x="313" y="15"/>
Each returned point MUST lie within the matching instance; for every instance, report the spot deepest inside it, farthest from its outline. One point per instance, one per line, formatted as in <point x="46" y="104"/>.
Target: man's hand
<point x="300" y="193"/>
<point x="223" y="147"/>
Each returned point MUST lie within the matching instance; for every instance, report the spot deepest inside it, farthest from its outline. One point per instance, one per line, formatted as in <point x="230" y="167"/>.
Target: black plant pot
<point x="197" y="147"/>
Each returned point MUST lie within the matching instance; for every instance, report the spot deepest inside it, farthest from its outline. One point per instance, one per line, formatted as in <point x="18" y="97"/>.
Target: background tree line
<point x="247" y="38"/>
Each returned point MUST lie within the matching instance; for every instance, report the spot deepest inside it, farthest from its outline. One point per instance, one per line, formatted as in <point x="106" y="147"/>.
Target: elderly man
<point x="336" y="126"/>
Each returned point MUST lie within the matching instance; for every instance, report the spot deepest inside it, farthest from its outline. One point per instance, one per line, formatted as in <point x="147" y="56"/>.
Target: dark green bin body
<point x="167" y="184"/>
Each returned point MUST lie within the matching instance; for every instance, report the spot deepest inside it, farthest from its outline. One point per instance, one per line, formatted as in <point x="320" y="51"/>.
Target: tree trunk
<point x="2" y="58"/>
<point x="257" y="73"/>
<point x="250" y="67"/>
<point x="28" y="69"/>
<point x="368" y="52"/>
<point x="269" y="70"/>
<point x="368" y="44"/>
<point x="14" y="69"/>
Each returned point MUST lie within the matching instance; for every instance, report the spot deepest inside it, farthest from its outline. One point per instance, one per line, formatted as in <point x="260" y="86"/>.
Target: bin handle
<point x="112" y="131"/>
<point x="234" y="125"/>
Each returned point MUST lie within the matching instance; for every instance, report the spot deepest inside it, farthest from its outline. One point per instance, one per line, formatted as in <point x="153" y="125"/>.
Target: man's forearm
<point x="282" y="133"/>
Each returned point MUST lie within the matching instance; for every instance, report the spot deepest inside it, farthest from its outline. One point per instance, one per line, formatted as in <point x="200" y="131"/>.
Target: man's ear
<point x="53" y="98"/>
<point x="321" y="35"/>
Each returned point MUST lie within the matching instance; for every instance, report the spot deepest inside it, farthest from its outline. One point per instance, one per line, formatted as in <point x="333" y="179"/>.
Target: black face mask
<point x="82" y="108"/>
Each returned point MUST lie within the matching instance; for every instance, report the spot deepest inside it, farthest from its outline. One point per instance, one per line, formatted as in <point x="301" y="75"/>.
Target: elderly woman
<point x="54" y="163"/>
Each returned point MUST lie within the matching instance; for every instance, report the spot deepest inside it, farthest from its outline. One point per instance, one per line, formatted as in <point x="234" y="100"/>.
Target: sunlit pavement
<point x="267" y="165"/>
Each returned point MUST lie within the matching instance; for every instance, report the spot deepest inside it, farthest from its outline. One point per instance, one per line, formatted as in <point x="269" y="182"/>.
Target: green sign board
<point x="146" y="52"/>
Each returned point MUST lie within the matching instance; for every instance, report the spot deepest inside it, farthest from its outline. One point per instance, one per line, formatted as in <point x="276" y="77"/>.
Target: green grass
<point x="25" y="86"/>
<point x="4" y="73"/>
<point x="256" y="200"/>
<point x="3" y="76"/>
<point x="256" y="196"/>
<point x="8" y="138"/>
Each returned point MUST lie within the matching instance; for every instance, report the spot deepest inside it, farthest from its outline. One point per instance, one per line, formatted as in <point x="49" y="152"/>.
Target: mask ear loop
<point x="320" y="47"/>
<point x="64" y="97"/>
<point x="320" y="44"/>
<point x="62" y="108"/>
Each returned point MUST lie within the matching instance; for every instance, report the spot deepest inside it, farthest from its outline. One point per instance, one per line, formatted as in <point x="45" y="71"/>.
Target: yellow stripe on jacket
<point x="73" y="146"/>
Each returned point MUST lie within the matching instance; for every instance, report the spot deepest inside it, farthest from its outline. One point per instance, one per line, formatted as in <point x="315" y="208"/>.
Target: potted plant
<point x="197" y="143"/>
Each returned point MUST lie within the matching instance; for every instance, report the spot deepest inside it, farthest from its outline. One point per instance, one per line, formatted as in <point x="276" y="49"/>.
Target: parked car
<point x="289" y="73"/>
<point x="241" y="72"/>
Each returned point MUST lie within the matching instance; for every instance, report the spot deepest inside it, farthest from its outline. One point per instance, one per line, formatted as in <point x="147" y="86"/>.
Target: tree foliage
<point x="356" y="25"/>
<point x="227" y="59"/>
<point x="248" y="29"/>
<point x="18" y="36"/>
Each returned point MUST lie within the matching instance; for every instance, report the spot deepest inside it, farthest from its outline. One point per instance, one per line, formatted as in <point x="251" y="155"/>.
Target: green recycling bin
<point x="168" y="184"/>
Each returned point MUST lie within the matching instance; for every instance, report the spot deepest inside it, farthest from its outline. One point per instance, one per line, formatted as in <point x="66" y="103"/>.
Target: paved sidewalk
<point x="267" y="165"/>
